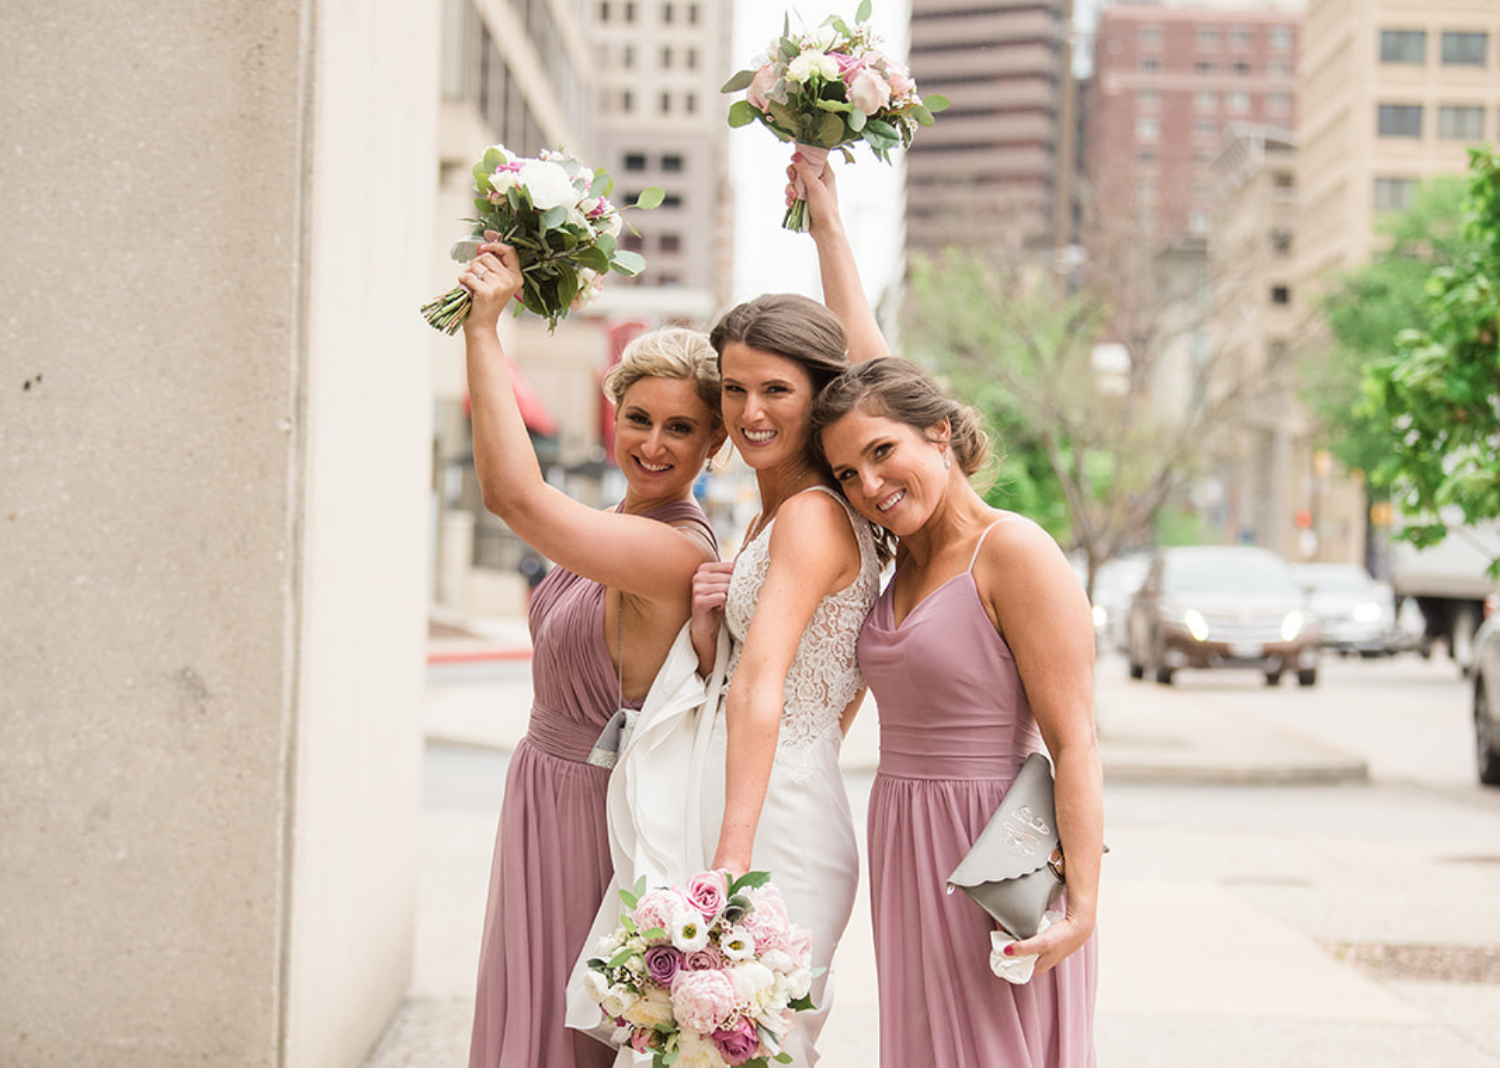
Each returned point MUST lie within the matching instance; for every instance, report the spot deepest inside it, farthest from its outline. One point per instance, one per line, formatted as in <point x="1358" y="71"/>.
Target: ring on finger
<point x="480" y="272"/>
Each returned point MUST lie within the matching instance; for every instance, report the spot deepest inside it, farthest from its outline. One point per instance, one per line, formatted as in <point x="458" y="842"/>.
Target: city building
<point x="995" y="171"/>
<point x="1168" y="83"/>
<point x="658" y="66"/>
<point x="1393" y="91"/>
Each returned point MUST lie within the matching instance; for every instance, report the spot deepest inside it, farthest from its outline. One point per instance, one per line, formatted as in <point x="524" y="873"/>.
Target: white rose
<point x="799" y="983"/>
<point x="753" y="983"/>
<point x="503" y="180"/>
<point x="618" y="1000"/>
<point x="809" y="63"/>
<point x="613" y="224"/>
<point x="607" y="946"/>
<point x="548" y="185"/>
<point x="595" y="985"/>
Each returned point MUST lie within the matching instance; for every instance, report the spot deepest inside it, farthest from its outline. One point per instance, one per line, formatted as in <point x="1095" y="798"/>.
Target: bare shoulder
<point x="814" y="527"/>
<point x="1018" y="554"/>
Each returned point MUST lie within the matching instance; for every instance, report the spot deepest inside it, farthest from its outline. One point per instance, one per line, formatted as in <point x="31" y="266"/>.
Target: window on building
<point x="1403" y="46"/>
<point x="1240" y="38"/>
<point x="635" y="161"/>
<point x="1206" y="66"/>
<point x="692" y="59"/>
<point x="1241" y="69"/>
<point x="1208" y="39"/>
<point x="1280" y="38"/>
<point x="666" y="103"/>
<point x="1280" y="68"/>
<point x="1281" y="242"/>
<point x="1147" y="129"/>
<point x="1145" y="191"/>
<point x="629" y="10"/>
<point x="668" y="281"/>
<point x="672" y="162"/>
<point x="1281" y="294"/>
<point x="627" y="56"/>
<point x="603" y="10"/>
<point x="1206" y="100"/>
<point x="1278" y="103"/>
<point x="1466" y="49"/>
<point x="1147" y="158"/>
<point x="1393" y="194"/>
<point x="627" y="101"/>
<point x="666" y="13"/>
<point x="672" y="200"/>
<point x="690" y="103"/>
<point x="666" y="57"/>
<point x="670" y="243"/>
<point x="692" y="14"/>
<point x="1205" y="129"/>
<point x="633" y="242"/>
<point x="1148" y="36"/>
<point x="1238" y="103"/>
<point x="1198" y="222"/>
<point x="1461" y="123"/>
<point x="1399" y="120"/>
<point x="1284" y="180"/>
<point x="1148" y="101"/>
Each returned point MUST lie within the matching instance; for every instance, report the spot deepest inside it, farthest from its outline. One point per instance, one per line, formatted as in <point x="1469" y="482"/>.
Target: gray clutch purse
<point x="1014" y="871"/>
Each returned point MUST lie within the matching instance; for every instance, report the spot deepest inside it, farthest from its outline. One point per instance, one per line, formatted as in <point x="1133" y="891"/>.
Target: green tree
<point x="1437" y="398"/>
<point x="1370" y="306"/>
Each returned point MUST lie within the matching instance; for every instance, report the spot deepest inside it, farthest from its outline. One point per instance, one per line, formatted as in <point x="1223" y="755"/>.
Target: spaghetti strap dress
<point x="552" y="861"/>
<point x="955" y="727"/>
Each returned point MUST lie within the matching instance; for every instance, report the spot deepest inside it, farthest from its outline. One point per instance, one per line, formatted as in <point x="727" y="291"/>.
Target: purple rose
<point x="707" y="892"/>
<point x="662" y="963"/>
<point x="702" y="960"/>
<point x="738" y="1045"/>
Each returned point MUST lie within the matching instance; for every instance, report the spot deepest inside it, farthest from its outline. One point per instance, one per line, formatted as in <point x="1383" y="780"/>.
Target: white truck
<point x="1450" y="582"/>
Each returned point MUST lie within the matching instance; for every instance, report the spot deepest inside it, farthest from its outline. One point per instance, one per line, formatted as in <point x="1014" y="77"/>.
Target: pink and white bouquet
<point x="706" y="974"/>
<point x="556" y="214"/>
<point x="827" y="88"/>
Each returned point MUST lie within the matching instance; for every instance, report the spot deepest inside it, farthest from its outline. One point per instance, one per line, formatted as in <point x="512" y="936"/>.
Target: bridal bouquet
<point x="704" y="975"/>
<point x="828" y="88"/>
<point x="556" y="214"/>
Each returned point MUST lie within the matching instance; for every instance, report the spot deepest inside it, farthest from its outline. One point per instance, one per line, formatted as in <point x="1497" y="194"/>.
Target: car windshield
<point x="1336" y="579"/>
<point x="1249" y="572"/>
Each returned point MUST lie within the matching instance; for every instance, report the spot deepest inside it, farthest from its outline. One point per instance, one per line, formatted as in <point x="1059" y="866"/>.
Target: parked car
<point x="1221" y="606"/>
<point x="1356" y="613"/>
<point x="1487" y="699"/>
<point x="1115" y="584"/>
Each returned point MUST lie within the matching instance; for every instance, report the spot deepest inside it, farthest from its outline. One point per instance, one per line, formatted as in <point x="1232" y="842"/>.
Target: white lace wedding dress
<point x="805" y="837"/>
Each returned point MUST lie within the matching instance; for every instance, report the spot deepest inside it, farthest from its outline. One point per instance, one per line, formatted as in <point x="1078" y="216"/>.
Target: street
<point x="1354" y="922"/>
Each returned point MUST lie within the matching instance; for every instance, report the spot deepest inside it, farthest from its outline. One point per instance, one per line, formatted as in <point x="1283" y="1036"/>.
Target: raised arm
<point x="813" y="554"/>
<point x="1044" y="617"/>
<point x="842" y="291"/>
<point x="630" y="553"/>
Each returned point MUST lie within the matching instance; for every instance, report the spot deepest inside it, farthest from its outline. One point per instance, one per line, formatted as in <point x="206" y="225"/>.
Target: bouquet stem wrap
<point x="796" y="214"/>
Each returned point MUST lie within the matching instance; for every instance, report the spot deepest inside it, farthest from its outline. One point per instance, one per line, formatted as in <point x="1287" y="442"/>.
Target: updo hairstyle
<point x="668" y="353"/>
<point x="791" y="326"/>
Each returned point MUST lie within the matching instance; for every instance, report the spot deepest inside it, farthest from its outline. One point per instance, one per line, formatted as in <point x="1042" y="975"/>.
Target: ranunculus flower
<point x="869" y="92"/>
<point x="548" y="184"/>
<point x="765" y="77"/>
<point x="702" y="1001"/>
<point x="738" y="1044"/>
<point x="706" y="892"/>
<point x="662" y="963"/>
<point x="808" y="64"/>
<point x="689" y="930"/>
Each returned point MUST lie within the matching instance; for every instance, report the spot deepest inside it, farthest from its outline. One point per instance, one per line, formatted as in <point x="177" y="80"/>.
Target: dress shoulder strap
<point x="973" y="559"/>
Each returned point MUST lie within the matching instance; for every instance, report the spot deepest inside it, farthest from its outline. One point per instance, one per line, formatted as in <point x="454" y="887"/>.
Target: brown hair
<point x="668" y="353"/>
<point x="893" y="388"/>
<point x="791" y="326"/>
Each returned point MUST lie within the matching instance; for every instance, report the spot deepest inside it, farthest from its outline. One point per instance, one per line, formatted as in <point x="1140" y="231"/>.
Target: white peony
<point x="807" y="64"/>
<point x="694" y="1051"/>
<point x="754" y="984"/>
<point x="651" y="1009"/>
<point x="548" y="185"/>
<point x="778" y="961"/>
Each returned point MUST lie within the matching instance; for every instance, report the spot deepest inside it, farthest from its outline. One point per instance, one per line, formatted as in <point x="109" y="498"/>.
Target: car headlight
<point x="1291" y="626"/>
<point x="1197" y="626"/>
<point x="1101" y="616"/>
<point x="1369" y="612"/>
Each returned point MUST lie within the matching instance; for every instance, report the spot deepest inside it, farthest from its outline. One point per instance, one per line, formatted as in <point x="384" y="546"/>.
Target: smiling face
<point x="890" y="471"/>
<point x="663" y="435"/>
<point x="767" y="405"/>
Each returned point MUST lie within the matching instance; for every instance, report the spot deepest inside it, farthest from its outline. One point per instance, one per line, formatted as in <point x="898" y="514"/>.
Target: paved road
<point x="1349" y="922"/>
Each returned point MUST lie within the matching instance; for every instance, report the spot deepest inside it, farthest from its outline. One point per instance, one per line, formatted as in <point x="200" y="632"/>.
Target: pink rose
<point x="656" y="908"/>
<point x="707" y="892"/>
<point x="799" y="946"/>
<point x="702" y="960"/>
<point x="738" y="1045"/>
<point x="869" y="92"/>
<point x="702" y="1001"/>
<point x="764" y="79"/>
<point x="848" y="66"/>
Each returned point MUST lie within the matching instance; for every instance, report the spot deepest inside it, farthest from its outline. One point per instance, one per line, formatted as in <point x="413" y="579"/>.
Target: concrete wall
<point x="213" y="469"/>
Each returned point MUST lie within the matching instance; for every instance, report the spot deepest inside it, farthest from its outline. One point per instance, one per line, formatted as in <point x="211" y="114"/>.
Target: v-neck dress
<point x="552" y="863"/>
<point x="955" y="727"/>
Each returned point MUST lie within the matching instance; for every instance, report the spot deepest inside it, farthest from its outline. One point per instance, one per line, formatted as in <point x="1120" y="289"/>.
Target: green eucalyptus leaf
<point x="862" y="14"/>
<point x="856" y="120"/>
<point x="628" y="263"/>
<point x="748" y="881"/>
<point x="601" y="185"/>
<point x="567" y="290"/>
<point x="935" y="103"/>
<point x="605" y="243"/>
<point x="742" y="113"/>
<point x="651" y="197"/>
<point x="741" y="80"/>
<point x="554" y="217"/>
<point x="625" y="954"/>
<point x="592" y="258"/>
<point x="830" y="131"/>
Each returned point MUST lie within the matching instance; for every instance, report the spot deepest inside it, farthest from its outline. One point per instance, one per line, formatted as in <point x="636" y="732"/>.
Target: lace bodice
<point x="824" y="676"/>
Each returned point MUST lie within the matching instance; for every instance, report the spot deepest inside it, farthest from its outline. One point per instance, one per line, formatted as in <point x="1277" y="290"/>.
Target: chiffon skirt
<point x="939" y="1002"/>
<point x="551" y="869"/>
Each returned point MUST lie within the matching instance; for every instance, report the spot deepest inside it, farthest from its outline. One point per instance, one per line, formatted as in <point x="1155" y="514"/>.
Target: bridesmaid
<point x="602" y="622"/>
<point x="978" y="653"/>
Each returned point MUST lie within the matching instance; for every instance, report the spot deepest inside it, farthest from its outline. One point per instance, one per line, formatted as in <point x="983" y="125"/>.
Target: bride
<point x="753" y="781"/>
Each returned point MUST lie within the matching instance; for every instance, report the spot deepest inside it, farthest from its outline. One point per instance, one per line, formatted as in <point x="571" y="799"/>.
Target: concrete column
<point x="213" y="481"/>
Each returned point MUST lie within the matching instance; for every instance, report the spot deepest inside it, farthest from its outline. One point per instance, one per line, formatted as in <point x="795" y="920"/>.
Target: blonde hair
<point x="671" y="352"/>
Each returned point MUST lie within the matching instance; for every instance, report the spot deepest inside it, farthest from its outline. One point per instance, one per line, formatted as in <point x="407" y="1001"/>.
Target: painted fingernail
<point x="1010" y="951"/>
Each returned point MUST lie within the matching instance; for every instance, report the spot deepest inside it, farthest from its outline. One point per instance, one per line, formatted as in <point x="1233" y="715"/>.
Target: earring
<point x="947" y="460"/>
